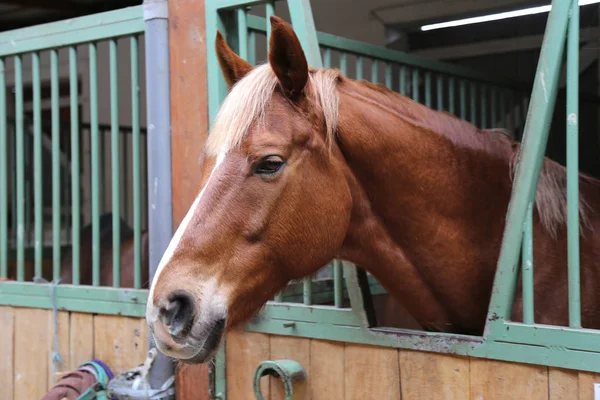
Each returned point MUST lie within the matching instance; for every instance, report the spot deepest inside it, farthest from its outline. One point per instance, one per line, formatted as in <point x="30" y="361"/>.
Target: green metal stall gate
<point x="69" y="152"/>
<point x="319" y="307"/>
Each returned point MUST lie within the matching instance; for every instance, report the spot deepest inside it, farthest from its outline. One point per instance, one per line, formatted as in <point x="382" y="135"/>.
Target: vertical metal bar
<point x="307" y="290"/>
<point x="528" y="169"/>
<point x="451" y="96"/>
<point x="75" y="205"/>
<point x="115" y="172"/>
<point x="37" y="155"/>
<point x="158" y="137"/>
<point x="242" y="23"/>
<point x="269" y="11"/>
<point x="344" y="63"/>
<point x="135" y="159"/>
<point x="3" y="174"/>
<point x="338" y="283"/>
<point x="101" y="193"/>
<point x="484" y="109"/>
<point x="124" y="146"/>
<point x="20" y="178"/>
<point x="573" y="167"/>
<point x="494" y="106"/>
<point x="463" y="99"/>
<point x="95" y="165"/>
<point x="428" y="89"/>
<point x="388" y="75"/>
<point x="56" y="167"/>
<point x="27" y="137"/>
<point x="415" y="84"/>
<point x="527" y="268"/>
<point x="503" y="109"/>
<point x="252" y="47"/>
<point x="439" y="79"/>
<point x="375" y="71"/>
<point x="327" y="58"/>
<point x="473" y="106"/>
<point x="359" y="68"/>
<point x="13" y="183"/>
<point x="302" y="20"/>
<point x="403" y="80"/>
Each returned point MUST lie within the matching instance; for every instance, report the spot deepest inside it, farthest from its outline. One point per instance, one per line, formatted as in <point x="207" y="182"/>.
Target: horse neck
<point x="424" y="200"/>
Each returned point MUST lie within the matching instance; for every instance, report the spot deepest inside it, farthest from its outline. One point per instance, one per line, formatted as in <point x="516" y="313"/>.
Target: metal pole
<point x="160" y="214"/>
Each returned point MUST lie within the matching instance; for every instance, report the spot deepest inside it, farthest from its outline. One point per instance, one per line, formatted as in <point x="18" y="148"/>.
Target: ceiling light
<point x="498" y="16"/>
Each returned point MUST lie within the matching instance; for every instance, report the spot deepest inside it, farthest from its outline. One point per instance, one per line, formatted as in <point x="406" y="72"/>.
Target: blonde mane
<point x="249" y="98"/>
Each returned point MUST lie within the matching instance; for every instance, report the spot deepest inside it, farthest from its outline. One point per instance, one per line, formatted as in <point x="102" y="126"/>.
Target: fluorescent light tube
<point x="498" y="16"/>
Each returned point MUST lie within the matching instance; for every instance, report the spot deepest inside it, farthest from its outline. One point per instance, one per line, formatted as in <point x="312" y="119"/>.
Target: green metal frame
<point x="566" y="347"/>
<point x="88" y="30"/>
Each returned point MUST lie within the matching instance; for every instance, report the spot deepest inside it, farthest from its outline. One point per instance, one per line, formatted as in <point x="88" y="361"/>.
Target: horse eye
<point x="269" y="165"/>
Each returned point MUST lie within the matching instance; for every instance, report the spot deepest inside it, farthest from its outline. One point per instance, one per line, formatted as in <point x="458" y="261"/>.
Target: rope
<point x="55" y="355"/>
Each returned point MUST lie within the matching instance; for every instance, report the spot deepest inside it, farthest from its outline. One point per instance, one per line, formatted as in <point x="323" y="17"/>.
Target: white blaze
<point x="174" y="243"/>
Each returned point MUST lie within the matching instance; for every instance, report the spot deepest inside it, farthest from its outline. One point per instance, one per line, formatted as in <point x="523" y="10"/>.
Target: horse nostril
<point x="179" y="314"/>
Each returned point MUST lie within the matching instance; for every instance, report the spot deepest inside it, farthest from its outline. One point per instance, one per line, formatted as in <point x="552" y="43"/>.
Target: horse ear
<point x="233" y="66"/>
<point x="287" y="58"/>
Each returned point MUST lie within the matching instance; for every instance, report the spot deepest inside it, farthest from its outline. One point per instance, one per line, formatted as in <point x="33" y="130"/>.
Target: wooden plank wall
<point x="347" y="371"/>
<point x="26" y="345"/>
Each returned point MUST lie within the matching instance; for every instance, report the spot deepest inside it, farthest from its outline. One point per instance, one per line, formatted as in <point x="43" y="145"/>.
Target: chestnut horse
<point x="303" y="166"/>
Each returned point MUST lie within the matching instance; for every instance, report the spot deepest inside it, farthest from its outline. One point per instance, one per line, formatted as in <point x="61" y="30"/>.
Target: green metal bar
<point x="338" y="283"/>
<point x="503" y="108"/>
<point x="473" y="106"/>
<point x="252" y="47"/>
<point x="116" y="195"/>
<point x="269" y="12"/>
<point x="327" y="58"/>
<point x="20" y="178"/>
<point x="439" y="80"/>
<point x="344" y="63"/>
<point x="528" y="169"/>
<point x="403" y="80"/>
<point x="451" y="95"/>
<point x="135" y="159"/>
<point x="428" y="89"/>
<point x="307" y="291"/>
<point x="3" y="174"/>
<point x="75" y="173"/>
<point x="527" y="268"/>
<point x="124" y="181"/>
<point x="388" y="75"/>
<point x="494" y="106"/>
<point x="129" y="302"/>
<point x="573" y="167"/>
<point x="415" y="84"/>
<point x="242" y="30"/>
<point x="302" y="20"/>
<point x="359" y="68"/>
<point x="375" y="71"/>
<point x="484" y="105"/>
<point x="95" y="165"/>
<point x="56" y="167"/>
<point x="73" y="31"/>
<point x="462" y="99"/>
<point x="37" y="155"/>
<point x="101" y="193"/>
